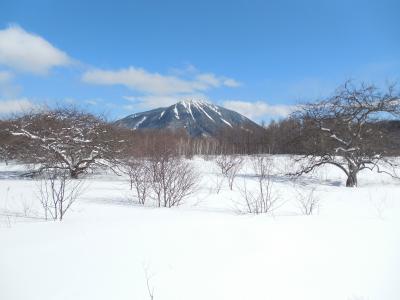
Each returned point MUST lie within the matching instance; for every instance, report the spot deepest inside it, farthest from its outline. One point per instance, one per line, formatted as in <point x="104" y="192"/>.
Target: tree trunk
<point x="352" y="177"/>
<point x="74" y="173"/>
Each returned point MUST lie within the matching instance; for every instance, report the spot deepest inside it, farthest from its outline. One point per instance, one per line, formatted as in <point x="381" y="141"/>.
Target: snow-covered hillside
<point x="198" y="118"/>
<point x="108" y="247"/>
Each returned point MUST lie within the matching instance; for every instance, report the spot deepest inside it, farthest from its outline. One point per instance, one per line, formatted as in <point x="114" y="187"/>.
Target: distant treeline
<point x="44" y="136"/>
<point x="287" y="136"/>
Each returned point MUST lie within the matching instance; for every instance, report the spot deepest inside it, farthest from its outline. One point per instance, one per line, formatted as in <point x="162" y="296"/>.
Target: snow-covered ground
<point x="108" y="247"/>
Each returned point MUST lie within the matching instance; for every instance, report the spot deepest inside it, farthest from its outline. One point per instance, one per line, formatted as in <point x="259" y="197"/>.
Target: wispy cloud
<point x="155" y="89"/>
<point x="8" y="89"/>
<point x="154" y="101"/>
<point x="143" y="81"/>
<point x="27" y="52"/>
<point x="81" y="102"/>
<point x="211" y="80"/>
<point x="13" y="106"/>
<point x="258" y="109"/>
<point x="5" y="76"/>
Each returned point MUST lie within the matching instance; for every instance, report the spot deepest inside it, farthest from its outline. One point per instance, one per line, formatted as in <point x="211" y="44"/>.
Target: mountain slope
<point x="198" y="118"/>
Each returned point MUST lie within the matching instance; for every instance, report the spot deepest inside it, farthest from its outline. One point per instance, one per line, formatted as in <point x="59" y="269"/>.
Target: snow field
<point x="107" y="246"/>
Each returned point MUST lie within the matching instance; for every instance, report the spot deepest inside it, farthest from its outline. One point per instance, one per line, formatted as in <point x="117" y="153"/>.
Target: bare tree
<point x="5" y="152"/>
<point x="230" y="166"/>
<point x="308" y="203"/>
<point x="57" y="192"/>
<point x="345" y="131"/>
<point x="65" y="139"/>
<point x="6" y="143"/>
<point x="261" y="199"/>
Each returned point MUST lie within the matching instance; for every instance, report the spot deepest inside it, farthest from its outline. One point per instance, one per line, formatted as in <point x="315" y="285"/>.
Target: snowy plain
<point x="109" y="247"/>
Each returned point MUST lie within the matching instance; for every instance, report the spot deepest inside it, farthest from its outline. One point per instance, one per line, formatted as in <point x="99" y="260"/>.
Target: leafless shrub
<point x="150" y="288"/>
<point x="208" y="157"/>
<point x="379" y="205"/>
<point x="157" y="169"/>
<point x="308" y="203"/>
<point x="57" y="192"/>
<point x="227" y="162"/>
<point x="218" y="183"/>
<point x="172" y="180"/>
<point x="263" y="198"/>
<point x="26" y="207"/>
<point x="230" y="166"/>
<point x="8" y="220"/>
<point x="138" y="170"/>
<point x="18" y="206"/>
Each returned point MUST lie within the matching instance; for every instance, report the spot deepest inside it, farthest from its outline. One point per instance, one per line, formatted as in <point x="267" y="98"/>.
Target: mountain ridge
<point x="197" y="117"/>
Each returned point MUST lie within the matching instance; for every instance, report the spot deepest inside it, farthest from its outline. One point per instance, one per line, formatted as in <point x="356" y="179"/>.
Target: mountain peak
<point x="188" y="101"/>
<point x="197" y="117"/>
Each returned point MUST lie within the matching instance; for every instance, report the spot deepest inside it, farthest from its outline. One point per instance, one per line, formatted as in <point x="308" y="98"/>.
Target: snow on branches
<point x="347" y="130"/>
<point x="65" y="139"/>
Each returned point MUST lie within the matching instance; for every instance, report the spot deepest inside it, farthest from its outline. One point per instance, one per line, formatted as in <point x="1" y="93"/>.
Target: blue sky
<point x="258" y="57"/>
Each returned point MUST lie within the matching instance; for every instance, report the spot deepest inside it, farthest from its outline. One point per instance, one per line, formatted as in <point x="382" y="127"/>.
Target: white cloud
<point x="15" y="106"/>
<point x="188" y="69"/>
<point x="229" y="82"/>
<point x="130" y="98"/>
<point x="154" y="90"/>
<point x="145" y="82"/>
<point x="78" y="102"/>
<point x="8" y="89"/>
<point x="28" y="52"/>
<point x="216" y="81"/>
<point x="5" y="76"/>
<point x="155" y="101"/>
<point x="91" y="102"/>
<point x="209" y="79"/>
<point x="255" y="110"/>
<point x="140" y="80"/>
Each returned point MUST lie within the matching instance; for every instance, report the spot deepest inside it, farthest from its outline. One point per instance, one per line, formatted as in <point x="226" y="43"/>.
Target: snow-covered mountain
<point x="198" y="118"/>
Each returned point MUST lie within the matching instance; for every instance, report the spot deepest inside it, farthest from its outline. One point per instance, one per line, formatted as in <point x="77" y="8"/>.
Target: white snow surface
<point x="199" y="105"/>
<point x="176" y="112"/>
<point x="226" y="122"/>
<point x="187" y="104"/>
<point x="140" y="122"/>
<point x="204" y="249"/>
<point x="201" y="108"/>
